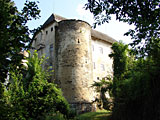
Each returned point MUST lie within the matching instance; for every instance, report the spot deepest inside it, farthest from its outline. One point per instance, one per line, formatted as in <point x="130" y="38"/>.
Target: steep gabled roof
<point x="50" y="20"/>
<point x="94" y="33"/>
<point x="59" y="18"/>
<point x="102" y="36"/>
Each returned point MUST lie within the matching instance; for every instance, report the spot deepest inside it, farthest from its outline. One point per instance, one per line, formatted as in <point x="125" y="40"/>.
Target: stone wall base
<point x="80" y="108"/>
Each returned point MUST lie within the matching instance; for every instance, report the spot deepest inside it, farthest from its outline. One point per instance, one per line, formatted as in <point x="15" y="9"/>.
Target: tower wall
<point x="74" y="62"/>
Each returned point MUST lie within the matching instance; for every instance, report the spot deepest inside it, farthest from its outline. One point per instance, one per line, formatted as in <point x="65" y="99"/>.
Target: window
<point x="94" y="65"/>
<point x="102" y="67"/>
<point x="50" y="66"/>
<point x="92" y="47"/>
<point x="78" y="41"/>
<point x="41" y="51"/>
<point x="46" y="32"/>
<point x="51" y="51"/>
<point x="51" y="48"/>
<point x="101" y="50"/>
<point x="51" y="29"/>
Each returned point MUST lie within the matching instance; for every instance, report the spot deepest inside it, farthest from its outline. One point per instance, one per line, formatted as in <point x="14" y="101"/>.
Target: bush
<point x="136" y="88"/>
<point x="31" y="96"/>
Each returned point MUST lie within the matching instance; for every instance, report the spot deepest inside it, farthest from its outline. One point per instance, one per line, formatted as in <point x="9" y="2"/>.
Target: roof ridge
<point x="94" y="33"/>
<point x="102" y="36"/>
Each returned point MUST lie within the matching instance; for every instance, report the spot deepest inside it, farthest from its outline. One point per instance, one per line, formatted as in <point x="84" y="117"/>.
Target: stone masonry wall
<point x="74" y="68"/>
<point x="76" y="59"/>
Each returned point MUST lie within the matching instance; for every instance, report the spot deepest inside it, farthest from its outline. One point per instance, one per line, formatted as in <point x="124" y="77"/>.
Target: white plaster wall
<point x="101" y="58"/>
<point x="46" y="37"/>
<point x="49" y="38"/>
<point x="97" y="57"/>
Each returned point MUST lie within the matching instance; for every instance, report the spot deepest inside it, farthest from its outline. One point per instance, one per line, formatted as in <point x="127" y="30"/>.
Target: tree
<point x="136" y="79"/>
<point x="120" y="61"/>
<point x="28" y="95"/>
<point x="144" y="14"/>
<point x="31" y="96"/>
<point x="103" y="87"/>
<point x="14" y="33"/>
<point x="136" y="86"/>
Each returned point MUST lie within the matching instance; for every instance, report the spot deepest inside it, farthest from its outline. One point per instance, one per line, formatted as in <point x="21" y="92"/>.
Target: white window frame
<point x="101" y="50"/>
<point x="94" y="65"/>
<point x="102" y="67"/>
<point x="92" y="47"/>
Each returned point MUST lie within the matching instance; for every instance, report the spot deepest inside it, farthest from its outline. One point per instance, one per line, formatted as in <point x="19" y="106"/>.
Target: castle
<point x="77" y="54"/>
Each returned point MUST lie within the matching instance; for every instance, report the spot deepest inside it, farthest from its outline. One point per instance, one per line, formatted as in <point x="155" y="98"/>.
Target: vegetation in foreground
<point x="14" y="34"/>
<point x="99" y="115"/>
<point x="136" y="81"/>
<point x="30" y="96"/>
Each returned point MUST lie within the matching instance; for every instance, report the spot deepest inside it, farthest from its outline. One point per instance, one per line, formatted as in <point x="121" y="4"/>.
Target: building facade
<point x="78" y="55"/>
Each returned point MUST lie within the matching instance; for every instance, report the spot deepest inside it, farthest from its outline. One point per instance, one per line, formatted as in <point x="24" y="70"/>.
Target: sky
<point x="73" y="9"/>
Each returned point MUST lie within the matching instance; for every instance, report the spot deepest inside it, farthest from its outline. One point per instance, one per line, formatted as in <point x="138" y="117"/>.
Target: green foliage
<point x="14" y="33"/>
<point x="135" y="89"/>
<point x="103" y="87"/>
<point x="31" y="96"/>
<point x="144" y="14"/>
<point x="119" y="55"/>
<point x="136" y="78"/>
<point x="98" y="115"/>
<point x="4" y="107"/>
<point x="55" y="116"/>
<point x="121" y="63"/>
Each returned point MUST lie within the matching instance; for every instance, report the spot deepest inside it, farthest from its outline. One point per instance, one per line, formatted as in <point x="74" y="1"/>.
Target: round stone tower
<point x="74" y="63"/>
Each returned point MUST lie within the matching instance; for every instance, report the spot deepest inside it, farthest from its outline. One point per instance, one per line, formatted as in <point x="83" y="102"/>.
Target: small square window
<point x="51" y="29"/>
<point x="41" y="51"/>
<point x="102" y="67"/>
<point x="51" y="48"/>
<point x="46" y="32"/>
<point x="92" y="47"/>
<point x="50" y="66"/>
<point x="101" y="50"/>
<point x="94" y="65"/>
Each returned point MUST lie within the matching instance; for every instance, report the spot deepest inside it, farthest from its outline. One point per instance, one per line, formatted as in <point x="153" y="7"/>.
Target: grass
<point x="98" y="115"/>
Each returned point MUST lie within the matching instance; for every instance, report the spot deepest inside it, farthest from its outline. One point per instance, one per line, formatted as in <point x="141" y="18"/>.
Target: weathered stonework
<point x="74" y="60"/>
<point x="78" y="55"/>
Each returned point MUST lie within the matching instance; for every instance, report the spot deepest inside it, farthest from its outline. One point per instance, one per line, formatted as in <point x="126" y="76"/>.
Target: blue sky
<point x="73" y="9"/>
